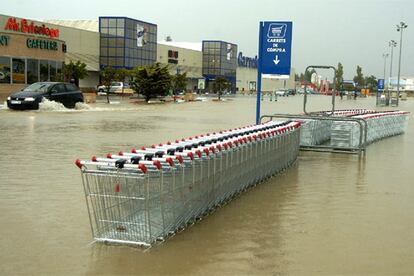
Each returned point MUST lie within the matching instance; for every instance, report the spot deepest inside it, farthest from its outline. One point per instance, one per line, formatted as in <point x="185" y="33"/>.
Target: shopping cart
<point x="146" y="195"/>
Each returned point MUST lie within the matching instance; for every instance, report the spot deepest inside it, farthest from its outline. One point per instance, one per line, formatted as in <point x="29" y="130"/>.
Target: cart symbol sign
<point x="276" y="30"/>
<point x="275" y="48"/>
<point x="381" y="84"/>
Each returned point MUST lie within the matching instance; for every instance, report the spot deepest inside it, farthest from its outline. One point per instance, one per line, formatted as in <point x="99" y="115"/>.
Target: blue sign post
<point x="380" y="88"/>
<point x="380" y="84"/>
<point x="275" y="44"/>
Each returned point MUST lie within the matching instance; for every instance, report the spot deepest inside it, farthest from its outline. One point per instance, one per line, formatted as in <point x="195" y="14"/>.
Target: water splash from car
<point x="47" y="105"/>
<point x="83" y="106"/>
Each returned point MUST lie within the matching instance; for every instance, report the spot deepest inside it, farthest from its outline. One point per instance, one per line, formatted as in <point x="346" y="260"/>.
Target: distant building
<point x="406" y="83"/>
<point x="32" y="51"/>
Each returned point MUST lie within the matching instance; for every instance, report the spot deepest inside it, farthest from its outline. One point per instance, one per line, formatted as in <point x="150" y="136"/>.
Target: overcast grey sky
<point x="353" y="32"/>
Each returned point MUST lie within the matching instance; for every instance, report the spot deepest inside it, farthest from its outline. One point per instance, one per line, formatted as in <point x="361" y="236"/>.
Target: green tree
<point x="179" y="82"/>
<point x="75" y="71"/>
<point x="339" y="77"/>
<point x="359" y="78"/>
<point x="220" y="84"/>
<point x="151" y="81"/>
<point x="108" y="75"/>
<point x="371" y="82"/>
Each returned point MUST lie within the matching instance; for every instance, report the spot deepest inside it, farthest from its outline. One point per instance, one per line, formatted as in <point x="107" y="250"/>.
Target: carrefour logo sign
<point x="247" y="61"/>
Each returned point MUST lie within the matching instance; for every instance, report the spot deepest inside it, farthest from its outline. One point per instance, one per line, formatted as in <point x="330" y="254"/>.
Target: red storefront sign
<point x="24" y="26"/>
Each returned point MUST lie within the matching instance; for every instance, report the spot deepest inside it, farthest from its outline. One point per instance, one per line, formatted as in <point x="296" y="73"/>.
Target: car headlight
<point x="8" y="98"/>
<point x="29" y="99"/>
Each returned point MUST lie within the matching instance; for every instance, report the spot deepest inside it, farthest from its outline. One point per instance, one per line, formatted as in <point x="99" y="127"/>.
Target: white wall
<point x="245" y="75"/>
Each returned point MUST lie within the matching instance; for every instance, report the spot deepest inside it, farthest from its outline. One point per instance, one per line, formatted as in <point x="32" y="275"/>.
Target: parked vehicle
<point x="31" y="96"/>
<point x="282" y="93"/>
<point x="116" y="87"/>
<point x="291" y="92"/>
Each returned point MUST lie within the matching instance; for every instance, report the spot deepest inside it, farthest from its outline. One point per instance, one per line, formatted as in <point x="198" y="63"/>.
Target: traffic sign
<point x="380" y="84"/>
<point x="276" y="45"/>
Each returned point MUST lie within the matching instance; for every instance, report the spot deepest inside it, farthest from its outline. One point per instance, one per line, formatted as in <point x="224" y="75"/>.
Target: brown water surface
<point x="328" y="214"/>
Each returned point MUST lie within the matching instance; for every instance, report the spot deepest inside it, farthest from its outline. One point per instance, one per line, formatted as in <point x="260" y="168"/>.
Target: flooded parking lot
<point x="328" y="214"/>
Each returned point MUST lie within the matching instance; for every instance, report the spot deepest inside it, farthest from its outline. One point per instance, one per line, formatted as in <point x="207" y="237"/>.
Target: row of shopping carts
<point x="317" y="132"/>
<point x="346" y="134"/>
<point x="379" y="125"/>
<point x="146" y="195"/>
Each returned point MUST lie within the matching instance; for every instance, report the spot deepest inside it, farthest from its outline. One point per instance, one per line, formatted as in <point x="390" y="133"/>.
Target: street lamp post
<point x="400" y="28"/>
<point x="392" y="44"/>
<point x="385" y="66"/>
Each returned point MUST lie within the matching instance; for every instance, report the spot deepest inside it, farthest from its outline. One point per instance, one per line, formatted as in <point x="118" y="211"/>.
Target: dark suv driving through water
<point x="30" y="97"/>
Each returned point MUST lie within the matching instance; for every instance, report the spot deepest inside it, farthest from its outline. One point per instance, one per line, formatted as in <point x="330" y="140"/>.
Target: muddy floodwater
<point x="328" y="214"/>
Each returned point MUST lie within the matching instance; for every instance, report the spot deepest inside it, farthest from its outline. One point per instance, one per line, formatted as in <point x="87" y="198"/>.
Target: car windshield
<point x="116" y="84"/>
<point x="38" y="87"/>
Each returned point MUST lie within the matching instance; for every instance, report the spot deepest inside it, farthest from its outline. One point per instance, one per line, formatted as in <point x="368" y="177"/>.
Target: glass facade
<point x="32" y="71"/>
<point x="220" y="59"/>
<point x="19" y="67"/>
<point x="126" y="42"/>
<point x="5" y="70"/>
<point x="15" y="70"/>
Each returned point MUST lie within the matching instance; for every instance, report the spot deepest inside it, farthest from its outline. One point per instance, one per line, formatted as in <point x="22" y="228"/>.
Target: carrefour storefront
<point x="29" y="52"/>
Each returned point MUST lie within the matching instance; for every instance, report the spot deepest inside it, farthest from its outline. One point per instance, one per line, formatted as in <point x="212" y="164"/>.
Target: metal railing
<point x="359" y="148"/>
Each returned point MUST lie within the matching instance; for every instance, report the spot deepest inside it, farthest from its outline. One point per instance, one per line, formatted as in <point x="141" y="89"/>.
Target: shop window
<point x="52" y="70"/>
<point x="59" y="75"/>
<point x="4" y="70"/>
<point x="44" y="70"/>
<point x="32" y="71"/>
<point x="19" y="68"/>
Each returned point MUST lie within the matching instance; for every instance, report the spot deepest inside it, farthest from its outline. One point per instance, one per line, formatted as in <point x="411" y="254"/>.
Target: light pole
<point x="392" y="44"/>
<point x="400" y="28"/>
<point x="385" y="62"/>
<point x="385" y="66"/>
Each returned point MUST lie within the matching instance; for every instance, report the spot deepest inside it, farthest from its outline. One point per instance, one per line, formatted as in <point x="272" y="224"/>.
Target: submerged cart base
<point x="147" y="195"/>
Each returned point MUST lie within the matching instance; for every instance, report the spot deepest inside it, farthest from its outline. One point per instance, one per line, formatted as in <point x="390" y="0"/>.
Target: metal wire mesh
<point x="146" y="195"/>
<point x="380" y="125"/>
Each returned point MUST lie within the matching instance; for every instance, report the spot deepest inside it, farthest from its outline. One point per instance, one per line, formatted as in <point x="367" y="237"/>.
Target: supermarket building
<point x="32" y="51"/>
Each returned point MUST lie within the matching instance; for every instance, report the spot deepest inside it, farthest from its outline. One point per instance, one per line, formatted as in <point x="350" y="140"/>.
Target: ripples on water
<point x="328" y="214"/>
